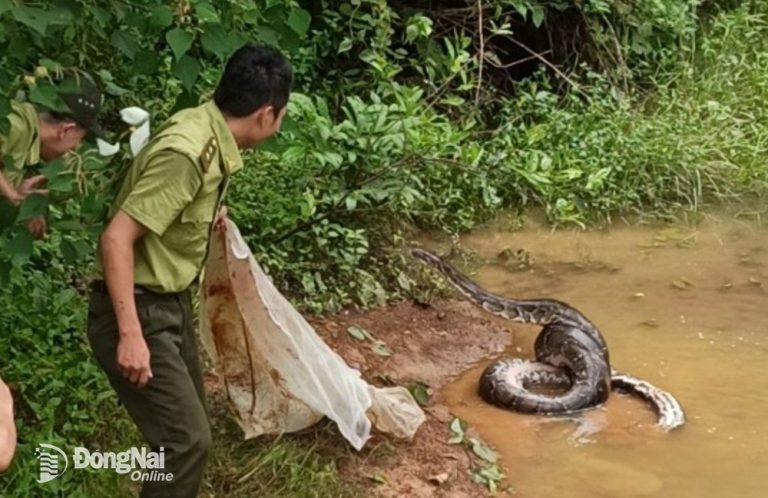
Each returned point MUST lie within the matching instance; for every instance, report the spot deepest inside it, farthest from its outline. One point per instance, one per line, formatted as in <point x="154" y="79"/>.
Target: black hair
<point x="255" y="75"/>
<point x="54" y="117"/>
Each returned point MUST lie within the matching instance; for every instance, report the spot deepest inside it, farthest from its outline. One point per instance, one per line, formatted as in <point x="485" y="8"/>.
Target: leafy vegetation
<point x="405" y="116"/>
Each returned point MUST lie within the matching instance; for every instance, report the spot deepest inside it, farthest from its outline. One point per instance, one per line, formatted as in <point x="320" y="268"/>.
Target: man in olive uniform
<point x="140" y="315"/>
<point x="45" y="134"/>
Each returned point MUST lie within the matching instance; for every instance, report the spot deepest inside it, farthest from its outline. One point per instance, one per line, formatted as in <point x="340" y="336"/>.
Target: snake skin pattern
<point x="571" y="354"/>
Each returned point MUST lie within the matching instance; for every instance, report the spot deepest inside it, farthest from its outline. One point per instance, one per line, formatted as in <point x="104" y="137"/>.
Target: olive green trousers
<point x="170" y="411"/>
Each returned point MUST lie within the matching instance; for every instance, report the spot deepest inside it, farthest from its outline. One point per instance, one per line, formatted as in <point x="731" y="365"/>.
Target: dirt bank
<point x="428" y="344"/>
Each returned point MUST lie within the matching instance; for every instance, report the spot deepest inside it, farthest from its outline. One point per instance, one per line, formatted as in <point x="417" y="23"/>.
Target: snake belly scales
<point x="570" y="354"/>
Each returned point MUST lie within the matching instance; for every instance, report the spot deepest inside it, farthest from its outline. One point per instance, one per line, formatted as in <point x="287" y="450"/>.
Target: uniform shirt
<point x="174" y="188"/>
<point x="22" y="144"/>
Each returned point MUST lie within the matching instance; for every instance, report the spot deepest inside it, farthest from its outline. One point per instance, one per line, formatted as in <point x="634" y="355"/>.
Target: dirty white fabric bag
<point x="278" y="373"/>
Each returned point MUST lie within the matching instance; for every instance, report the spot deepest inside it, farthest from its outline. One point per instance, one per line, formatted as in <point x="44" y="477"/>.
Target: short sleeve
<point x="16" y="143"/>
<point x="166" y="185"/>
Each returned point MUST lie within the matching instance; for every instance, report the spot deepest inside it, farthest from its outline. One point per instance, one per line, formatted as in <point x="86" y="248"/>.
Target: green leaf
<point x="521" y="8"/>
<point x="33" y="206"/>
<point x="137" y="20"/>
<point x="21" y="245"/>
<point x="53" y="169"/>
<point x="46" y="96"/>
<point x="457" y="431"/>
<point x="206" y="12"/>
<point x="344" y="46"/>
<point x="67" y="225"/>
<point x="215" y="40"/>
<point x="116" y="90"/>
<point x="5" y="272"/>
<point x="359" y="333"/>
<point x="482" y="450"/>
<point x="411" y="32"/>
<point x="8" y="213"/>
<point x="50" y="64"/>
<point x="537" y="15"/>
<point x="235" y="39"/>
<point x="180" y="41"/>
<point x="381" y="349"/>
<point x="62" y="184"/>
<point x="490" y="476"/>
<point x="5" y="6"/>
<point x="68" y="251"/>
<point x="37" y="19"/>
<point x="187" y="70"/>
<point x="420" y="393"/>
<point x="161" y="17"/>
<point x="251" y="16"/>
<point x="184" y="100"/>
<point x="379" y="478"/>
<point x="145" y="62"/>
<point x="125" y="43"/>
<point x="101" y="18"/>
<point x="289" y="40"/>
<point x="266" y="34"/>
<point x="299" y="20"/>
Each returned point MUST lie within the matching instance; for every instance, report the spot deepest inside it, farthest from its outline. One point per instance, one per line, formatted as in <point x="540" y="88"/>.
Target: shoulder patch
<point x="208" y="153"/>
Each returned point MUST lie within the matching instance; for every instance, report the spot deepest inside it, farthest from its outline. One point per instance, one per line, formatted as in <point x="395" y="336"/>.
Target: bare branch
<point x="482" y="51"/>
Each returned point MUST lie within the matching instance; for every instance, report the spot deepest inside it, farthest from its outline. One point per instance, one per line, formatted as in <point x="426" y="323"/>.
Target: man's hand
<point x="37" y="227"/>
<point x="133" y="358"/>
<point x="219" y="224"/>
<point x="7" y="427"/>
<point x="30" y="186"/>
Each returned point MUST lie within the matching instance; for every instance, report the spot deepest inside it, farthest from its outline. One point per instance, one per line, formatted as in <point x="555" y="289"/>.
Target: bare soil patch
<point x="432" y="345"/>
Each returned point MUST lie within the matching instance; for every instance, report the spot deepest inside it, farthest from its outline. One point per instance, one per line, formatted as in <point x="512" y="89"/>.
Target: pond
<point x="684" y="307"/>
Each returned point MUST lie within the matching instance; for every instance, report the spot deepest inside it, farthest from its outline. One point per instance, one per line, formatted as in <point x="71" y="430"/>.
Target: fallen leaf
<point x="381" y="349"/>
<point x="359" y="333"/>
<point x="420" y="393"/>
<point x="679" y="284"/>
<point x="482" y="450"/>
<point x="439" y="479"/>
<point x="386" y="379"/>
<point x="457" y="431"/>
<point x="378" y="478"/>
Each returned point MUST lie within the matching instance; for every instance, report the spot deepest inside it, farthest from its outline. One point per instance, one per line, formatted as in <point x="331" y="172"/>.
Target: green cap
<point x="82" y="98"/>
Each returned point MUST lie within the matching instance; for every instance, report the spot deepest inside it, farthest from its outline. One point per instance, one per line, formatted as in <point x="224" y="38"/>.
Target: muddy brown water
<point x="685" y="308"/>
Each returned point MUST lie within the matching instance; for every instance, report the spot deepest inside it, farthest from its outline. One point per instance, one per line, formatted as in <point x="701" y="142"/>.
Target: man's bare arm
<point x="7" y="427"/>
<point x="117" y="257"/>
<point x="7" y="191"/>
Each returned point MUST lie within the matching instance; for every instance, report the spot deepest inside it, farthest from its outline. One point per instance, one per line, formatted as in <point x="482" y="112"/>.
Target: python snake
<point x="570" y="353"/>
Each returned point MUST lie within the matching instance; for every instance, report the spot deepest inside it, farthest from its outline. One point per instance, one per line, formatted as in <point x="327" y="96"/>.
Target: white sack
<point x="278" y="373"/>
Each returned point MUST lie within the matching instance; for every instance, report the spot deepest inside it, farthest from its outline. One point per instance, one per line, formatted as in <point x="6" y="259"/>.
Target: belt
<point x="101" y="286"/>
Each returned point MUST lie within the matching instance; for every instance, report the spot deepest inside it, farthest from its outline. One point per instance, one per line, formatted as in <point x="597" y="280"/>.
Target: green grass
<point x="63" y="398"/>
<point x="301" y="466"/>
